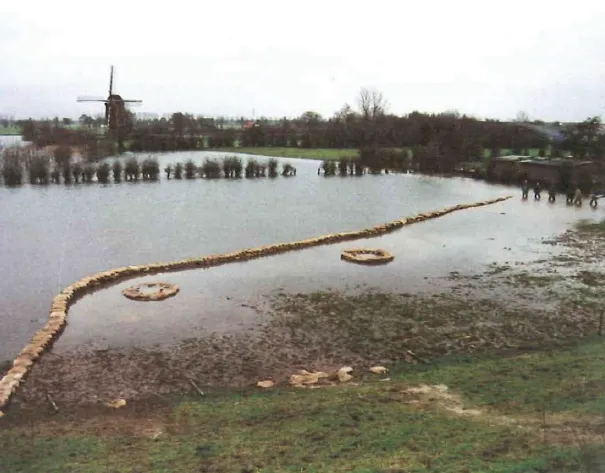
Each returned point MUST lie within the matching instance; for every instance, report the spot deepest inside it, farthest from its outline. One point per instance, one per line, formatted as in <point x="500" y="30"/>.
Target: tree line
<point x="425" y="142"/>
<point x="41" y="169"/>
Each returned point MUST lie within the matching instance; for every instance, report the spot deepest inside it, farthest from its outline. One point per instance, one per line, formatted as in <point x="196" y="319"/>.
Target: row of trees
<point x="229" y="168"/>
<point x="435" y="142"/>
<point x="42" y="169"/>
<point x="39" y="170"/>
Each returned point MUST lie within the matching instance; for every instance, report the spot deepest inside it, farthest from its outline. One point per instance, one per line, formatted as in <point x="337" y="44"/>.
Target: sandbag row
<point x="57" y="319"/>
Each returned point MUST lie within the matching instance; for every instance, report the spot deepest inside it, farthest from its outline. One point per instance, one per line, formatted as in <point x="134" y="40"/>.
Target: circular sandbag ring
<point x="164" y="291"/>
<point x="378" y="256"/>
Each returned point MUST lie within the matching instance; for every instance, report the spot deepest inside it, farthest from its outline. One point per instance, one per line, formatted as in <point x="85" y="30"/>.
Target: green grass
<point x="11" y="130"/>
<point x="561" y="380"/>
<point x="319" y="153"/>
<point x="365" y="428"/>
<point x="330" y="154"/>
<point x="591" y="227"/>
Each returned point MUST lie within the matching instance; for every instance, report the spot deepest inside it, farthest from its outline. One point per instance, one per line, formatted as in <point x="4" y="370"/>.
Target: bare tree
<point x="372" y="104"/>
<point x="522" y="117"/>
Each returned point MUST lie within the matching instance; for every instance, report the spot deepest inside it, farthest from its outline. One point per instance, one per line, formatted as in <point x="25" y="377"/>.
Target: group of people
<point x="572" y="197"/>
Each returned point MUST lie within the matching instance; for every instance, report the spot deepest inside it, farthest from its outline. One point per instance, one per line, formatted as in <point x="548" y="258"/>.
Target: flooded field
<point x="233" y="298"/>
<point x="54" y="235"/>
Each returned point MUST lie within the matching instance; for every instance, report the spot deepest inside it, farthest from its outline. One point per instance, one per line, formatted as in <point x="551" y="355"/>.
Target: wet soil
<point x="513" y="307"/>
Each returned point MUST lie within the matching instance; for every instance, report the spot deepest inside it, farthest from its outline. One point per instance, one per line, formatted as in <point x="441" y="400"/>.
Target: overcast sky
<point x="280" y="58"/>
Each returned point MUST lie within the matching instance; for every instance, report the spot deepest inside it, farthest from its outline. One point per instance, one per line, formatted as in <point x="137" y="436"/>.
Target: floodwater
<point x="11" y="140"/>
<point x="51" y="236"/>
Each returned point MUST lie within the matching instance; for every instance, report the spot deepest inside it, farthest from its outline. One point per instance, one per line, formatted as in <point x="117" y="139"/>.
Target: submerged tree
<point x="116" y="169"/>
<point x="237" y="167"/>
<point x="168" y="171"/>
<point x="261" y="170"/>
<point x="89" y="172"/>
<point x="251" y="166"/>
<point x="66" y="170"/>
<point x="55" y="175"/>
<point x="12" y="170"/>
<point x="132" y="171"/>
<point x="288" y="170"/>
<point x="76" y="171"/>
<point x="38" y="170"/>
<point x="151" y="169"/>
<point x="232" y="167"/>
<point x="190" y="169"/>
<point x="103" y="172"/>
<point x="211" y="169"/>
<point x="329" y="168"/>
<point x="178" y="171"/>
<point x="62" y="155"/>
<point x="272" y="166"/>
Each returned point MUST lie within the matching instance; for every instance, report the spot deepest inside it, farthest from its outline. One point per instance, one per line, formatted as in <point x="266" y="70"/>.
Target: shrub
<point x="261" y="170"/>
<point x="211" y="169"/>
<point x="38" y="170"/>
<point x="329" y="168"/>
<point x="272" y="165"/>
<point x="151" y="169"/>
<point x="232" y="167"/>
<point x="132" y="171"/>
<point x="103" y="172"/>
<point x="190" y="169"/>
<point x="62" y="155"/>
<point x="178" y="171"/>
<point x="12" y="171"/>
<point x="67" y="173"/>
<point x="168" y="171"/>
<point x="238" y="167"/>
<point x="55" y="175"/>
<point x="12" y="174"/>
<point x="288" y="170"/>
<point x="251" y="167"/>
<point x="227" y="167"/>
<point x="351" y="166"/>
<point x="116" y="169"/>
<point x="89" y="172"/>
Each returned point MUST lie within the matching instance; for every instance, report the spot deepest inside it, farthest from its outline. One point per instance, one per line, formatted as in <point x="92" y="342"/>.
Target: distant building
<point x="147" y="116"/>
<point x="559" y="171"/>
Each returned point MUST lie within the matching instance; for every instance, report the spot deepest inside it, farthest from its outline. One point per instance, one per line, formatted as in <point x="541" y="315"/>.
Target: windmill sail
<point x="115" y="111"/>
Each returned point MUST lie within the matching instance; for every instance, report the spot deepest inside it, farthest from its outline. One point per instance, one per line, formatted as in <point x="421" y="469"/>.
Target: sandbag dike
<point x="57" y="318"/>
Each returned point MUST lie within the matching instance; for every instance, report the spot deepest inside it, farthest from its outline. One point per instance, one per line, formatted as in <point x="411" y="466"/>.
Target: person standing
<point x="525" y="189"/>
<point x="552" y="192"/>
<point x="537" y="191"/>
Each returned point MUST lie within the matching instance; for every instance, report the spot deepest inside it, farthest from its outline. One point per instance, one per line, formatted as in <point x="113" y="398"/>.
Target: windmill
<point x="115" y="108"/>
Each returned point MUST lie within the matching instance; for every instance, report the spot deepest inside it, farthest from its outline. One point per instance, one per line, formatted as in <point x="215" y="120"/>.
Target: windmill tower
<point x="115" y="110"/>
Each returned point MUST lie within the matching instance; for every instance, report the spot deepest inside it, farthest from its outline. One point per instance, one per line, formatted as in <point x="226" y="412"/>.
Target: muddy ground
<point x="520" y="307"/>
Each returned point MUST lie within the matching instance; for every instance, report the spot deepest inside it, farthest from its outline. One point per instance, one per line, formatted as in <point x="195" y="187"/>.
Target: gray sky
<point x="280" y="58"/>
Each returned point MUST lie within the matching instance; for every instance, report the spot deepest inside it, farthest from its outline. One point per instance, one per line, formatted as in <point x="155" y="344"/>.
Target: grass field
<point x="11" y="130"/>
<point x="319" y="153"/>
<point x="330" y="154"/>
<point x="537" y="412"/>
